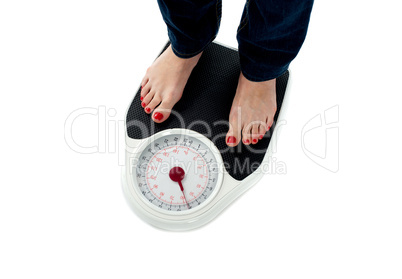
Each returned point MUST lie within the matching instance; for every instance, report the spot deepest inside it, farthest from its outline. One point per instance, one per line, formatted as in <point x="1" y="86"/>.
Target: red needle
<point x="177" y="174"/>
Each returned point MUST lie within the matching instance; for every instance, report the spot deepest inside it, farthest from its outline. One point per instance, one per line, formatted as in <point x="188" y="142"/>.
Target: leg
<point x="192" y="25"/>
<point x="270" y="35"/>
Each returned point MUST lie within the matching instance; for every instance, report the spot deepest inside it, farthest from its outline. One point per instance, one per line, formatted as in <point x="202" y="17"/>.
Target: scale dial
<point x="178" y="173"/>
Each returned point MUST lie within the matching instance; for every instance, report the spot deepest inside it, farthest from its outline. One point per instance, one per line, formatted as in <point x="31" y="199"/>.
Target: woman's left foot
<point x="252" y="112"/>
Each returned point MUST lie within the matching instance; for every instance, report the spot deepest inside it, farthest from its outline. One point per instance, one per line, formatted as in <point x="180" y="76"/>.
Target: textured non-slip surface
<point x="207" y="98"/>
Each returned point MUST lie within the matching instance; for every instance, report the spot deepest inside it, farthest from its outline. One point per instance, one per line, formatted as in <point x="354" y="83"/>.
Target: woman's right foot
<point x="164" y="82"/>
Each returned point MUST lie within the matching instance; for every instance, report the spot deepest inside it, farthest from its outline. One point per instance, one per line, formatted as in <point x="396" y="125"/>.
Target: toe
<point x="158" y="116"/>
<point x="270" y="118"/>
<point x="233" y="136"/>
<point x="145" y="90"/>
<point x="255" y="133"/>
<point x="261" y="131"/>
<point x="145" y="79"/>
<point x="246" y="140"/>
<point x="246" y="135"/>
<point x="152" y="104"/>
<point x="147" y="98"/>
<point x="269" y="123"/>
<point x="162" y="112"/>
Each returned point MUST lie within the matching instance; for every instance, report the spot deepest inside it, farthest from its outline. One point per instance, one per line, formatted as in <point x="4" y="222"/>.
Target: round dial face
<point x="178" y="172"/>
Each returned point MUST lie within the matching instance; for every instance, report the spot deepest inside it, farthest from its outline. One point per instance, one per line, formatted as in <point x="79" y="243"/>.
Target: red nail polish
<point x="231" y="140"/>
<point x="261" y="136"/>
<point x="147" y="109"/>
<point x="269" y="127"/>
<point x="158" y="116"/>
<point x="142" y="98"/>
<point x="143" y="104"/>
<point x="254" y="141"/>
<point x="246" y="141"/>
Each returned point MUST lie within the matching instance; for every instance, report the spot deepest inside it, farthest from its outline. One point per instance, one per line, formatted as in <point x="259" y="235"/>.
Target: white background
<point x="63" y="214"/>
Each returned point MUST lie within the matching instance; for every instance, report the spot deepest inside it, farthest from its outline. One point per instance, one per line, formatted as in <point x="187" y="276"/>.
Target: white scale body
<point x="208" y="187"/>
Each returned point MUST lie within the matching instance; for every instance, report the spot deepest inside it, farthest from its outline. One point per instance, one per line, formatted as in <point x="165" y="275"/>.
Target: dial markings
<point x="188" y="153"/>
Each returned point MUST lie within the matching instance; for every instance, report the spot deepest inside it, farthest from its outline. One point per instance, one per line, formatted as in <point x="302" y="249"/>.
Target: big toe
<point x="234" y="135"/>
<point x="163" y="111"/>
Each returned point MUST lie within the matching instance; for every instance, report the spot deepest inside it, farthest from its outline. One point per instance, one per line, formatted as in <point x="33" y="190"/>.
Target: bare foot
<point x="164" y="82"/>
<point x="252" y="112"/>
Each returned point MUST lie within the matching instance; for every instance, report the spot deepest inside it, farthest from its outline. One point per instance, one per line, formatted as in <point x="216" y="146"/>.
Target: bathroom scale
<point x="180" y="174"/>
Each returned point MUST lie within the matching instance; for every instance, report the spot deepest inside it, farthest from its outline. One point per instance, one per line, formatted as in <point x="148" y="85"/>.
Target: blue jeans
<point x="270" y="34"/>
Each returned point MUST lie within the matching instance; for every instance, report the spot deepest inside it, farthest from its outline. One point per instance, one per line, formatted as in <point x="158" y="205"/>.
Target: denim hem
<point x="189" y="55"/>
<point x="260" y="79"/>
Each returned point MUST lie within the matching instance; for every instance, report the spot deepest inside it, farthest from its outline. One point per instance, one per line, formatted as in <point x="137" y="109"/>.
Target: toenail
<point x="231" y="140"/>
<point x="246" y="141"/>
<point x="269" y="127"/>
<point x="143" y="104"/>
<point x="158" y="116"/>
<point x="261" y="136"/>
<point x="254" y="141"/>
<point x="142" y="98"/>
<point x="147" y="109"/>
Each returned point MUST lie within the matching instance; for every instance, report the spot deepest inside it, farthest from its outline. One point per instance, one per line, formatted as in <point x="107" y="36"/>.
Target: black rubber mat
<point x="208" y="97"/>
